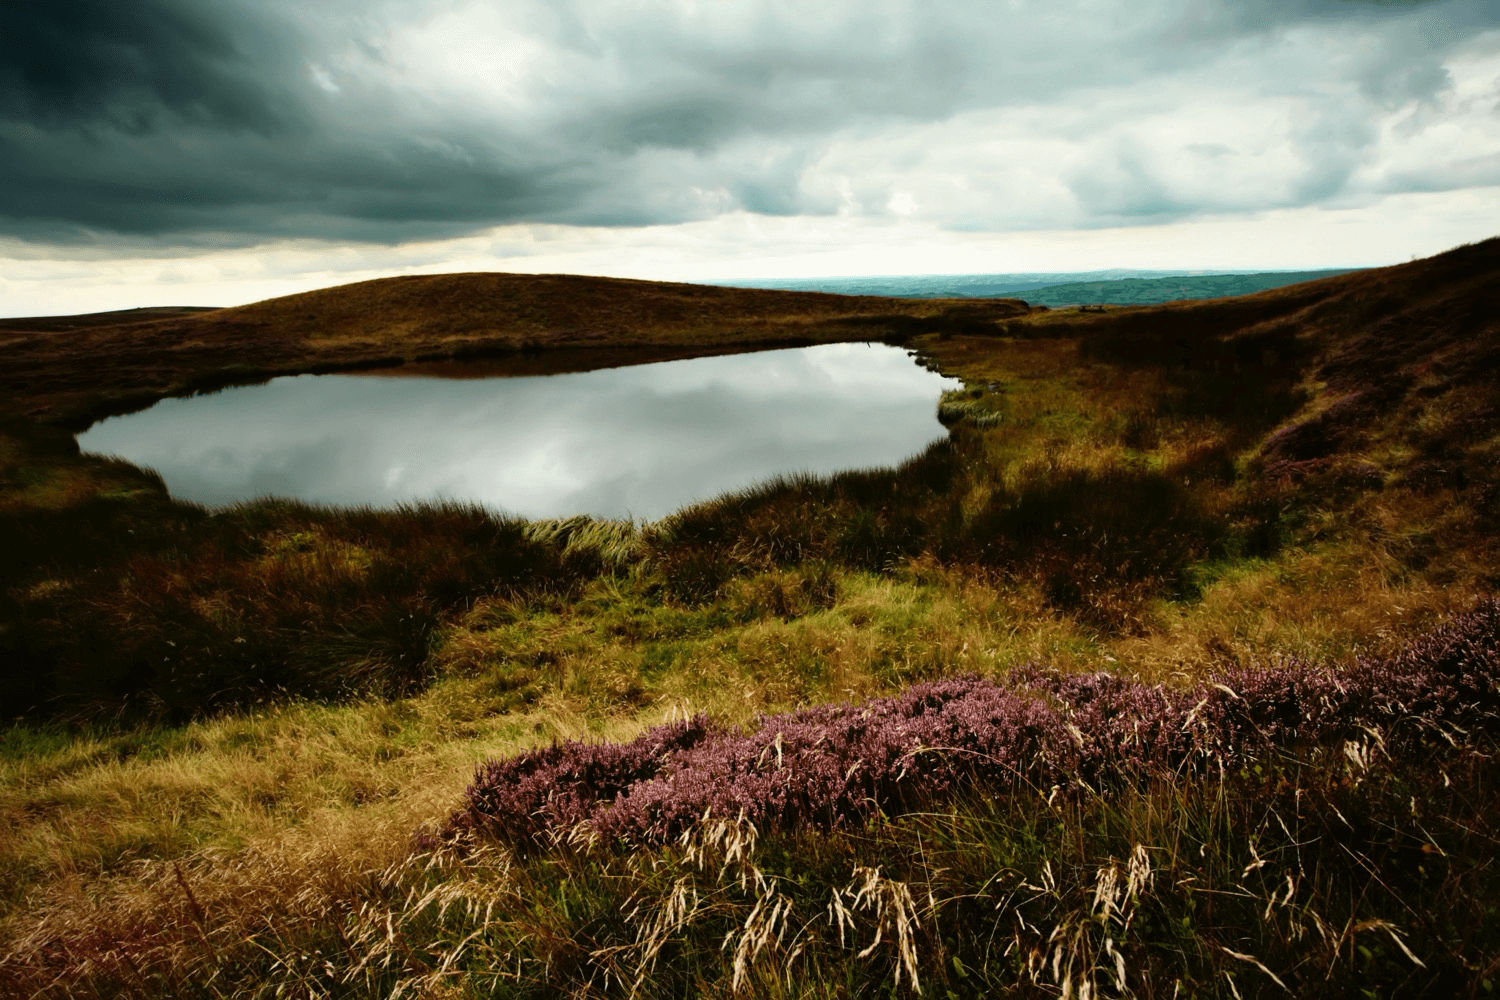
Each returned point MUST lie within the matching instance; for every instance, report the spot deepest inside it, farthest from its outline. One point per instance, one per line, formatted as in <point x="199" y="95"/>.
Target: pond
<point x="633" y="442"/>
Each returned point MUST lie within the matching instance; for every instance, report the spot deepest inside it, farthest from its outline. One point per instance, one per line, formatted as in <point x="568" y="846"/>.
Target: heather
<point x="839" y="766"/>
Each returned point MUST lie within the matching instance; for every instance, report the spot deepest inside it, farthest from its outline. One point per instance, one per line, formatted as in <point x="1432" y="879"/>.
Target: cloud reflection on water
<point x="639" y="441"/>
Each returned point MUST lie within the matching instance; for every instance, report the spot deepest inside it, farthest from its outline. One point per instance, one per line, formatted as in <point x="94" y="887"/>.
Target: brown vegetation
<point x="75" y="369"/>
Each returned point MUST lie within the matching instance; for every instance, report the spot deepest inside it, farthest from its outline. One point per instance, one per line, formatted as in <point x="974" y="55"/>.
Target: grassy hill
<point x="1171" y="669"/>
<point x="429" y="318"/>
<point x="118" y="317"/>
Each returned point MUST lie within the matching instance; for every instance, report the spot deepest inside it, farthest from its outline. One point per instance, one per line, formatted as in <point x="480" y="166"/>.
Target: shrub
<point x="208" y="612"/>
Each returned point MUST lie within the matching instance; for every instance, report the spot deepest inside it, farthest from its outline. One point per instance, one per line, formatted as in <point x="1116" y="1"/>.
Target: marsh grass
<point x="609" y="545"/>
<point x="1163" y="494"/>
<point x="968" y="405"/>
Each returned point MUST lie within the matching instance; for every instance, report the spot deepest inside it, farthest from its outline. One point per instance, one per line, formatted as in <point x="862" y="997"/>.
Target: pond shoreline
<point x="632" y="441"/>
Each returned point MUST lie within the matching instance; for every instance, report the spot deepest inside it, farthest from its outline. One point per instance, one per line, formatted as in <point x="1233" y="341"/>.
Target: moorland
<point x="1134" y="288"/>
<point x="1173" y="670"/>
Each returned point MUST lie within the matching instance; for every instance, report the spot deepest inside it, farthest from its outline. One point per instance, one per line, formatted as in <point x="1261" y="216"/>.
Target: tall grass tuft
<point x="608" y="545"/>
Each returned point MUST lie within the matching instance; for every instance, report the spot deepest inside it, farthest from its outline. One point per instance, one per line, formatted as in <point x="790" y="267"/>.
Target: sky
<point x="187" y="152"/>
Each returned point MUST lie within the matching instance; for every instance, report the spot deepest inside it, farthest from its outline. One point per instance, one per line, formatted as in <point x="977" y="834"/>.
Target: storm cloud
<point x="176" y="123"/>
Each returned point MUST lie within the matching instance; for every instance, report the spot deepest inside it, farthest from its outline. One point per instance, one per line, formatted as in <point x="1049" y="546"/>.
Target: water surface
<point x="639" y="441"/>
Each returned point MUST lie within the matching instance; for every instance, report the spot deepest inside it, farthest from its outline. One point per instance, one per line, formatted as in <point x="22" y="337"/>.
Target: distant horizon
<point x="779" y="283"/>
<point x="1127" y="272"/>
<point x="718" y="252"/>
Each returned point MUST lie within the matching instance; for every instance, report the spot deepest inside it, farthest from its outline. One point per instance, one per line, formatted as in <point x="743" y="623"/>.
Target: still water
<point x="638" y="442"/>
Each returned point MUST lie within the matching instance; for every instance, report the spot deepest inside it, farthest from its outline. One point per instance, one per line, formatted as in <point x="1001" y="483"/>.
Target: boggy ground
<point x="236" y="728"/>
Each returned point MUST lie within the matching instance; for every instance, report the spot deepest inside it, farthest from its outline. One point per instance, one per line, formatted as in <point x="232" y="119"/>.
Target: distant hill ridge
<point x="1055" y="289"/>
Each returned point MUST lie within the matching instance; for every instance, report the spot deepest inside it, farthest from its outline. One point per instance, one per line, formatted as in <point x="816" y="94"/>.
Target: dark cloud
<point x="158" y="118"/>
<point x="177" y="121"/>
<point x="132" y="67"/>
